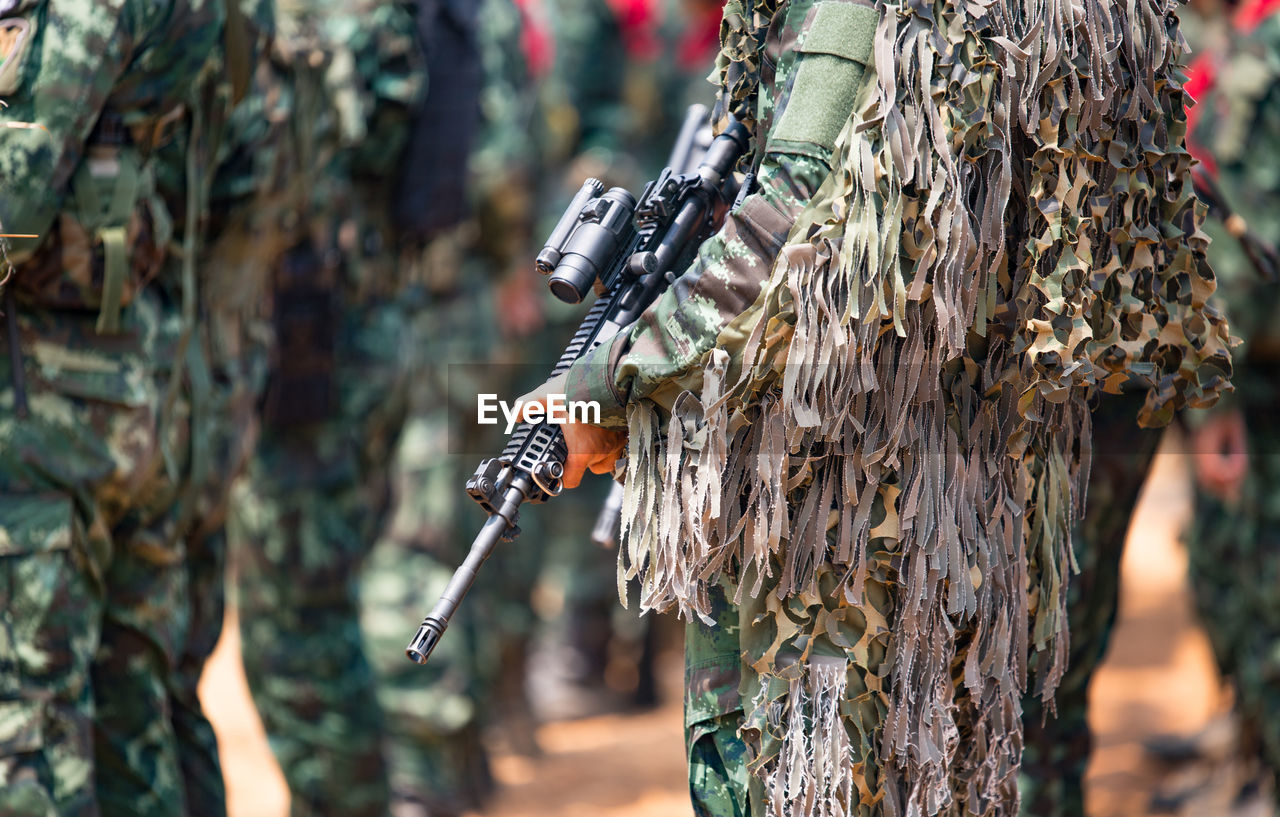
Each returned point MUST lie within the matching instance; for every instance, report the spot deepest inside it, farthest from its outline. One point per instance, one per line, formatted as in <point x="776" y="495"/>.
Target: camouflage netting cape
<point x="1009" y="227"/>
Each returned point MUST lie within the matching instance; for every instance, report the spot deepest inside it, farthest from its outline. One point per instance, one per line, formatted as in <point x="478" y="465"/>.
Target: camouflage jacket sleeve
<point x="661" y="356"/>
<point x="70" y="61"/>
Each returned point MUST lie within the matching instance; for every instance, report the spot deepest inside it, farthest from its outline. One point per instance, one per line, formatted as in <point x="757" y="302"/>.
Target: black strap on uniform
<point x="236" y="45"/>
<point x="431" y="195"/>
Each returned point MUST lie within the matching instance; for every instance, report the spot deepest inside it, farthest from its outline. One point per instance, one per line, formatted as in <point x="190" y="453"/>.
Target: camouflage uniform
<point x="1234" y="546"/>
<point x="346" y="78"/>
<point x="213" y="303"/>
<point x="862" y="413"/>
<point x="108" y="597"/>
<point x="433" y="739"/>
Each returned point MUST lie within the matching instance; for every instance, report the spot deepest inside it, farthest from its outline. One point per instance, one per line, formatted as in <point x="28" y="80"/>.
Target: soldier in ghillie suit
<point x="856" y="426"/>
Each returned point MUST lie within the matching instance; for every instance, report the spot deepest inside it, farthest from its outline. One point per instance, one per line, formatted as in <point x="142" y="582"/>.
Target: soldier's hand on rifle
<point x="591" y="448"/>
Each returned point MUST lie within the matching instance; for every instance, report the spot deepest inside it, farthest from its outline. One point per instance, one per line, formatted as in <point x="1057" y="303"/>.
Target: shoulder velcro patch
<point x="843" y="30"/>
<point x="835" y="47"/>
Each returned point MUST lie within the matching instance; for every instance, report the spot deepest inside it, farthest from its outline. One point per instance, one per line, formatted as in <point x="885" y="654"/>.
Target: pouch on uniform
<point x="832" y="58"/>
<point x="15" y="41"/>
<point x="106" y="246"/>
<point x="105" y="192"/>
<point x="304" y="314"/>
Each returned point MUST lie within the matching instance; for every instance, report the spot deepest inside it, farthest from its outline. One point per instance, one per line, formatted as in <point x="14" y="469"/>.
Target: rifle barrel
<point x="434" y="625"/>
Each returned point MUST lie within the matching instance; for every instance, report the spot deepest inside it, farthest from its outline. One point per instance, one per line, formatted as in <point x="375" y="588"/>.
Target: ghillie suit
<point x="874" y="444"/>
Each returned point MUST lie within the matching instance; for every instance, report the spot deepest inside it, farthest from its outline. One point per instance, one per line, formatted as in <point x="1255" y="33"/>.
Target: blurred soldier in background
<point x="1232" y="569"/>
<point x="108" y="142"/>
<point x="1234" y="537"/>
<point x="347" y="79"/>
<point x="478" y="303"/>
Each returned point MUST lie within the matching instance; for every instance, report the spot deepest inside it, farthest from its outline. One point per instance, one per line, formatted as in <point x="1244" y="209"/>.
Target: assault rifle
<point x="1261" y="254"/>
<point x="630" y="252"/>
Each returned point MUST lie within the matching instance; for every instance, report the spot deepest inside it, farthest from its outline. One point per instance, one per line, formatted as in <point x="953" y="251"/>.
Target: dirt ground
<point x="1158" y="678"/>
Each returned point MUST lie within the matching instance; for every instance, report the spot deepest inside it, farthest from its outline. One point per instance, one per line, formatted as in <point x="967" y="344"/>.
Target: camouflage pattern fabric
<point x="163" y="620"/>
<point x="433" y="741"/>
<point x="713" y="712"/>
<point x="316" y="494"/>
<point x="108" y="599"/>
<point x="221" y="374"/>
<point x="304" y="521"/>
<point x="97" y="596"/>
<point x="357" y="728"/>
<point x="863" y="407"/>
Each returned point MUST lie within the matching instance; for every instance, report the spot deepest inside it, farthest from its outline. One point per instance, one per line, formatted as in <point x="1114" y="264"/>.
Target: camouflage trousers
<point x="713" y="713"/>
<point x="726" y="734"/>
<point x="1234" y="568"/>
<point x="1057" y="747"/>
<point x="111" y="589"/>
<point x="303" y="522"/>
